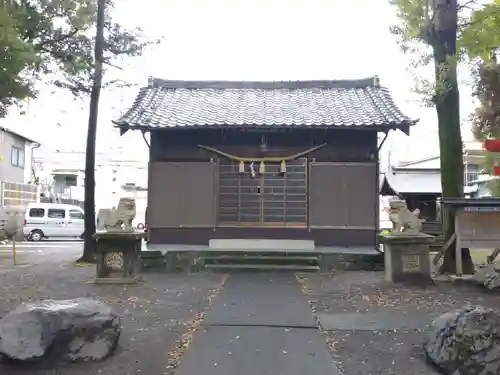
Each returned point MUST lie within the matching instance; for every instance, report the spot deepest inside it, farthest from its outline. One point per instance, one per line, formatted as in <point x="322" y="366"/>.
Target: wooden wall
<point x="342" y="145"/>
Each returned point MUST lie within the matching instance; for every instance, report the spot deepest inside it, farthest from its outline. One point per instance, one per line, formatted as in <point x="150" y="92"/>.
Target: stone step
<point x="256" y="261"/>
<point x="260" y="244"/>
<point x="261" y="253"/>
<point x="261" y="267"/>
<point x="152" y="254"/>
<point x="194" y="260"/>
<point x="260" y="258"/>
<point x="153" y="259"/>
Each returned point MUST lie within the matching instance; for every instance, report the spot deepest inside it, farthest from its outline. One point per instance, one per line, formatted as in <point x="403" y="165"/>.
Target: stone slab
<point x="257" y="350"/>
<point x="408" y="238"/>
<point x="381" y="321"/>
<point x="120" y="234"/>
<point x="261" y="299"/>
<point x="259" y="244"/>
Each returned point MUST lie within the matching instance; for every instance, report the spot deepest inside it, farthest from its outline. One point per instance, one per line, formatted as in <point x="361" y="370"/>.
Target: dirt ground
<point x="390" y="351"/>
<point x="158" y="315"/>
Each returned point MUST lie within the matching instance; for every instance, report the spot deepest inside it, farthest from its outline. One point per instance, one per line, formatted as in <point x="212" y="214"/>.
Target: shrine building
<point x="268" y="161"/>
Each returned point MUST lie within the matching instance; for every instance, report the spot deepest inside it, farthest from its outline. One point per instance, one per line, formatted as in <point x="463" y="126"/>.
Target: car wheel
<point x="36" y="235"/>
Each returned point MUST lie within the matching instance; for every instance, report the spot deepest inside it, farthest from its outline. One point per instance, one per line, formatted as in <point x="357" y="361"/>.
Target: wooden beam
<point x="445" y="247"/>
<point x="458" y="258"/>
<point x="491" y="258"/>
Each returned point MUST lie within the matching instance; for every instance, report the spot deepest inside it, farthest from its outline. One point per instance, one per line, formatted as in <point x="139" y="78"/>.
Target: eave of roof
<point x="7" y="130"/>
<point x="411" y="183"/>
<point x="289" y="104"/>
<point x="411" y="163"/>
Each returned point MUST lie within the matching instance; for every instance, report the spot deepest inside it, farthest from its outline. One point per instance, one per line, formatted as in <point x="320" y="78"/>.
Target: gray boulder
<point x="465" y="342"/>
<point x="489" y="278"/>
<point x="71" y="330"/>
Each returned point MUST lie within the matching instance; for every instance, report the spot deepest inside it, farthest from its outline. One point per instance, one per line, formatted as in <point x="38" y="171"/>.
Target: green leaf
<point x="53" y="40"/>
<point x="480" y="35"/>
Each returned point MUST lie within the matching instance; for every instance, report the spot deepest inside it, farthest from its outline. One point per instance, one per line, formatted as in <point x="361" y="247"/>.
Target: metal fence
<point x="15" y="194"/>
<point x="470" y="176"/>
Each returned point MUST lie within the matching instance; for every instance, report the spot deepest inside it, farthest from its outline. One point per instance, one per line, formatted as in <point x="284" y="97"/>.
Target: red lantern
<point x="492" y="145"/>
<point x="496" y="170"/>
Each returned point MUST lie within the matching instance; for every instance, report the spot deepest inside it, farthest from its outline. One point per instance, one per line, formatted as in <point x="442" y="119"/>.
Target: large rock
<point x="76" y="330"/>
<point x="489" y="278"/>
<point x="466" y="342"/>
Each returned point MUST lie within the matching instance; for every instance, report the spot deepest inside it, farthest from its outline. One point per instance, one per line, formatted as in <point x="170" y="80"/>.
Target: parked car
<point x="46" y="220"/>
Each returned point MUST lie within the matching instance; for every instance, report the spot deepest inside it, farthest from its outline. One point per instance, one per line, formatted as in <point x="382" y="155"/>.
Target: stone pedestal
<point x="118" y="257"/>
<point x="407" y="258"/>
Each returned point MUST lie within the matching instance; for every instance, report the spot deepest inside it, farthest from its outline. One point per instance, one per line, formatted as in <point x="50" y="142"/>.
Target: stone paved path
<point x="259" y="324"/>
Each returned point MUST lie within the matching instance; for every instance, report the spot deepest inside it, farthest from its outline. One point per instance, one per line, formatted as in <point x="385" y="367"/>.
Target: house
<point x="66" y="186"/>
<point x="69" y="183"/>
<point x="276" y="161"/>
<point x="480" y="188"/>
<point x="16" y="169"/>
<point x="472" y="157"/>
<point x="419" y="181"/>
<point x="16" y="156"/>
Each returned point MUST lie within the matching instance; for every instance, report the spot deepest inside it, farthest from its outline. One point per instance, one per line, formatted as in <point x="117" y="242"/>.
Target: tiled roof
<point x="167" y="104"/>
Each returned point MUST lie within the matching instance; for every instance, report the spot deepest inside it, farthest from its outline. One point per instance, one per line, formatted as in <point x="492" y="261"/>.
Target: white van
<point x="45" y="220"/>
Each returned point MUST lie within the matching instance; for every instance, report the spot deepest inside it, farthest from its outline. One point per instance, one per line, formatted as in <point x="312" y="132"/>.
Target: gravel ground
<point x="159" y="315"/>
<point x="389" y="351"/>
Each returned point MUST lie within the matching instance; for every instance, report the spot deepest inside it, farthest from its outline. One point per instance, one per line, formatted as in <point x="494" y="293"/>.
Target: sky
<point x="240" y="40"/>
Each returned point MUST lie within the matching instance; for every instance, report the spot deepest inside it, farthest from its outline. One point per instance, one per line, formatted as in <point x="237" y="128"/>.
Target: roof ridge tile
<point x="265" y="85"/>
<point x="319" y="104"/>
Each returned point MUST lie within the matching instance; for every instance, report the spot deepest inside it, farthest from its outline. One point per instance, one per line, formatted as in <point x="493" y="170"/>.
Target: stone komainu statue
<point x="404" y="220"/>
<point x="121" y="216"/>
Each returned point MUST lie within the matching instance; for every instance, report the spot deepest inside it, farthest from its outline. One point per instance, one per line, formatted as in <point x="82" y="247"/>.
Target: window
<point x="17" y="157"/>
<point x="70" y="180"/>
<point x="37" y="212"/>
<point x="75" y="214"/>
<point x="56" y="213"/>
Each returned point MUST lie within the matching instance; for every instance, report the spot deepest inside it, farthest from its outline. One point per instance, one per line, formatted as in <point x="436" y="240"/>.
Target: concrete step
<point x="152" y="254"/>
<point x="226" y="260"/>
<point x="261" y="267"/>
<point x="324" y="258"/>
<point x="153" y="259"/>
<point x="255" y="253"/>
<point x="260" y="258"/>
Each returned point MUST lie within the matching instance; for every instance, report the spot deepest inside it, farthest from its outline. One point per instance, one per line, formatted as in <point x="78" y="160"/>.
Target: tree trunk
<point x="448" y="111"/>
<point x="89" y="204"/>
